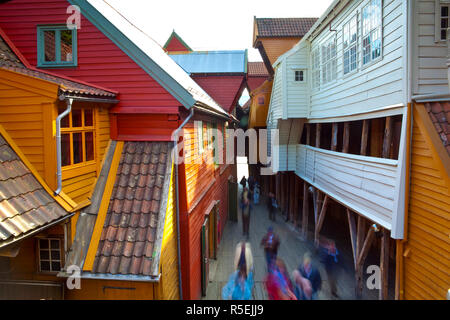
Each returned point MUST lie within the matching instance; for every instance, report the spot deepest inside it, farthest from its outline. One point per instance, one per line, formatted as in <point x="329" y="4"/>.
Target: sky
<point x="213" y="24"/>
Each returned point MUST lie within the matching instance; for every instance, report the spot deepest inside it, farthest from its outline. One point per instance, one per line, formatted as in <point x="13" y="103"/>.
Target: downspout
<point x="177" y="202"/>
<point x="58" y="143"/>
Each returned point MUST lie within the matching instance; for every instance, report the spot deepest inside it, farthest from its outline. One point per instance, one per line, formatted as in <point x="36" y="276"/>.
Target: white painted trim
<point x="284" y="91"/>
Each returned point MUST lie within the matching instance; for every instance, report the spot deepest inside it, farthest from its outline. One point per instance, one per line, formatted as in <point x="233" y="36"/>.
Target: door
<point x="213" y="232"/>
<point x="232" y="201"/>
<point x="205" y="255"/>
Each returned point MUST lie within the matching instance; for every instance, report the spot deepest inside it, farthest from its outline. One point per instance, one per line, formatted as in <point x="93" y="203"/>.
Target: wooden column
<point x="308" y="134"/>
<point x="296" y="199"/>
<point x="305" y="209"/>
<point x="384" y="264"/>
<point x="320" y="220"/>
<point x="346" y="137"/>
<point x="364" y="137"/>
<point x="387" y="140"/>
<point x="334" y="137"/>
<point x="292" y="196"/>
<point x="318" y="131"/>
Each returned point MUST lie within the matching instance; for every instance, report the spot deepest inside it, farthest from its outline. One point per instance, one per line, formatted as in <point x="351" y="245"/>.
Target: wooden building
<point x="137" y="233"/>
<point x="346" y="102"/>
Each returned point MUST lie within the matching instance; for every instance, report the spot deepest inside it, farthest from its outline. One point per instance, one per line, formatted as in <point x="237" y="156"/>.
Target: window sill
<point x="57" y="66"/>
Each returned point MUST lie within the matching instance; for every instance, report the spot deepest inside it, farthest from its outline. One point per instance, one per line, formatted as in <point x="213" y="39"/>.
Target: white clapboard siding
<point x="370" y="88"/>
<point x="276" y="99"/>
<point x="297" y="92"/>
<point x="364" y="184"/>
<point x="430" y="56"/>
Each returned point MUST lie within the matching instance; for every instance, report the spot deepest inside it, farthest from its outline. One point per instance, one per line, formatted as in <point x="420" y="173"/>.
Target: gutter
<point x="177" y="196"/>
<point x="58" y="142"/>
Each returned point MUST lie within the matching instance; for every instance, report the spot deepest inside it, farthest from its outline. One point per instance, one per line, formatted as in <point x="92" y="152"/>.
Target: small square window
<point x="50" y="258"/>
<point x="444" y="21"/>
<point x="260" y="101"/>
<point x="299" y="76"/>
<point x="56" y="46"/>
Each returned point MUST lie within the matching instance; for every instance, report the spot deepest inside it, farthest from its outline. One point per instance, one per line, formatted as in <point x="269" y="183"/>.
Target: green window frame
<point x="59" y="32"/>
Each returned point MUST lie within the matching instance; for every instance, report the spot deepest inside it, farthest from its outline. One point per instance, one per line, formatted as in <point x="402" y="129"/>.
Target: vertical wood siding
<point x="100" y="61"/>
<point x="427" y="266"/>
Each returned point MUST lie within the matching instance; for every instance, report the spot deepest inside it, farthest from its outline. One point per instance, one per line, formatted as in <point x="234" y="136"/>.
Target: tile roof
<point x="257" y="69"/>
<point x="439" y="113"/>
<point x="128" y="243"/>
<point x="284" y="27"/>
<point x="25" y="206"/>
<point x="10" y="61"/>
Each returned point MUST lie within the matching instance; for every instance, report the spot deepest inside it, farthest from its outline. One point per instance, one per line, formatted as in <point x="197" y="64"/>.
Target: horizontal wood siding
<point x="427" y="266"/>
<point x="430" y="57"/>
<point x="276" y="99"/>
<point x="298" y="92"/>
<point x="100" y="61"/>
<point x="371" y="87"/>
<point x="366" y="185"/>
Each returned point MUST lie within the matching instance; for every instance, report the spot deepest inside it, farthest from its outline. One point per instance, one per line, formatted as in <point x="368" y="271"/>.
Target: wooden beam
<point x="361" y="229"/>
<point x="360" y="233"/>
<point x="346" y="137"/>
<point x="308" y="134"/>
<point x="305" y="210"/>
<point x="318" y="131"/>
<point x="364" y="137"/>
<point x="365" y="249"/>
<point x="296" y="199"/>
<point x="387" y="141"/>
<point x="384" y="265"/>
<point x="352" y="228"/>
<point x="334" y="137"/>
<point x="320" y="220"/>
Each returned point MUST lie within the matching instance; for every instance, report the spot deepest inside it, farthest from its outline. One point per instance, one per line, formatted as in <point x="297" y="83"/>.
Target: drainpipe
<point x="175" y="150"/>
<point x="58" y="143"/>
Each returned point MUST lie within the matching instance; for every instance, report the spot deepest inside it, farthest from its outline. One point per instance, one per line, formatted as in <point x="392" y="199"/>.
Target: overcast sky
<point x="213" y="24"/>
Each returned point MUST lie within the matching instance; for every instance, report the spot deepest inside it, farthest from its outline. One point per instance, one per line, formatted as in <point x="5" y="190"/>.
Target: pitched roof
<point x="257" y="69"/>
<point x="232" y="61"/>
<point x="25" y="206"/>
<point x="284" y="27"/>
<point x="147" y="53"/>
<point x="10" y="61"/>
<point x="439" y="113"/>
<point x="130" y="242"/>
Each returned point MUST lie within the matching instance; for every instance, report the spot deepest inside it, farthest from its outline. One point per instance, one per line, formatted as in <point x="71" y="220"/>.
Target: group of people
<point x="304" y="283"/>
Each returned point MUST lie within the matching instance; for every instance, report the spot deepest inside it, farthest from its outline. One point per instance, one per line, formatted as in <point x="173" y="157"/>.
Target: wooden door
<point x="205" y="255"/>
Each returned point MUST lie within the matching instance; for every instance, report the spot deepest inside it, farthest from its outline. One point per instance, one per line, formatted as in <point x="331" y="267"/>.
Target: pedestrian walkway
<point x="291" y="250"/>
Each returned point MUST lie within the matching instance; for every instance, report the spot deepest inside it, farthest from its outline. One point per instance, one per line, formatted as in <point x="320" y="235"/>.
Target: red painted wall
<point x="255" y="82"/>
<point x="100" y="61"/>
<point x="225" y="90"/>
<point x="175" y="45"/>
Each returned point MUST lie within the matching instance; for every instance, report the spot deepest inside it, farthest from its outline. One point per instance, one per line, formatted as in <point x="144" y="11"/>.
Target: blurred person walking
<point x="240" y="283"/>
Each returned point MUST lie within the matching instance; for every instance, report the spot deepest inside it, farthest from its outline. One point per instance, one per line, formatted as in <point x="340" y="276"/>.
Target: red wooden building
<point x="155" y="96"/>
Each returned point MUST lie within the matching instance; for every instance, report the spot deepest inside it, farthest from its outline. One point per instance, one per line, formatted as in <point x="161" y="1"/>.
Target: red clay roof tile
<point x="440" y="116"/>
<point x="284" y="27"/>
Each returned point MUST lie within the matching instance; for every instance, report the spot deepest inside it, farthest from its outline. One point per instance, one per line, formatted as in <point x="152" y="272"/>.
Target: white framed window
<point x="329" y="61"/>
<point x="315" y="62"/>
<point x="49" y="254"/>
<point x="350" y="45"/>
<point x="442" y="19"/>
<point x="299" y="75"/>
<point x="371" y="19"/>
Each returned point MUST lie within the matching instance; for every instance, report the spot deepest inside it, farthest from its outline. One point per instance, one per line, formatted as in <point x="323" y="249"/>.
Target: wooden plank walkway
<point x="291" y="250"/>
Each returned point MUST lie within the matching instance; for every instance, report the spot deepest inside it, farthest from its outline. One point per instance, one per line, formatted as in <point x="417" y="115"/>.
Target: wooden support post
<point x="334" y="137"/>
<point x="320" y="220"/>
<point x="296" y="199"/>
<point x="352" y="228"/>
<point x="305" y="210"/>
<point x="364" y="137"/>
<point x="318" y="130"/>
<point x="361" y="229"/>
<point x="292" y="196"/>
<point x="346" y="137"/>
<point x="387" y="141"/>
<point x="308" y="134"/>
<point x="384" y="265"/>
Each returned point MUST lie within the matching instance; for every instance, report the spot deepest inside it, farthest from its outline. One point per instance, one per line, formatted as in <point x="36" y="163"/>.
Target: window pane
<point x="66" y="45"/>
<point x="444" y="11"/>
<point x="76" y="118"/>
<point x="43" y="243"/>
<point x="89" y="142"/>
<point x="45" y="266"/>
<point x="56" y="255"/>
<point x="49" y="46"/>
<point x="444" y="23"/>
<point x="77" y="148"/>
<point x="88" y="118"/>
<point x="54" y="244"/>
<point x="43" y="255"/>
<point x="443" y="34"/>
<point x="65" y="150"/>
<point x="65" y="120"/>
<point x="56" y="266"/>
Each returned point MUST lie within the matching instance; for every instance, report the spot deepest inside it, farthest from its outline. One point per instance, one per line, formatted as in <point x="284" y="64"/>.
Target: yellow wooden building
<point x="424" y="256"/>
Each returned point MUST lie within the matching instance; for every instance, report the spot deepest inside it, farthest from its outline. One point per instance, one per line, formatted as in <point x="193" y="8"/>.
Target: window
<point x="299" y="76"/>
<point x="315" y="57"/>
<point x="49" y="254"/>
<point x="442" y="20"/>
<point x="329" y="62"/>
<point x="57" y="46"/>
<point x="260" y="101"/>
<point x="77" y="136"/>
<point x="350" y="39"/>
<point x="371" y="31"/>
